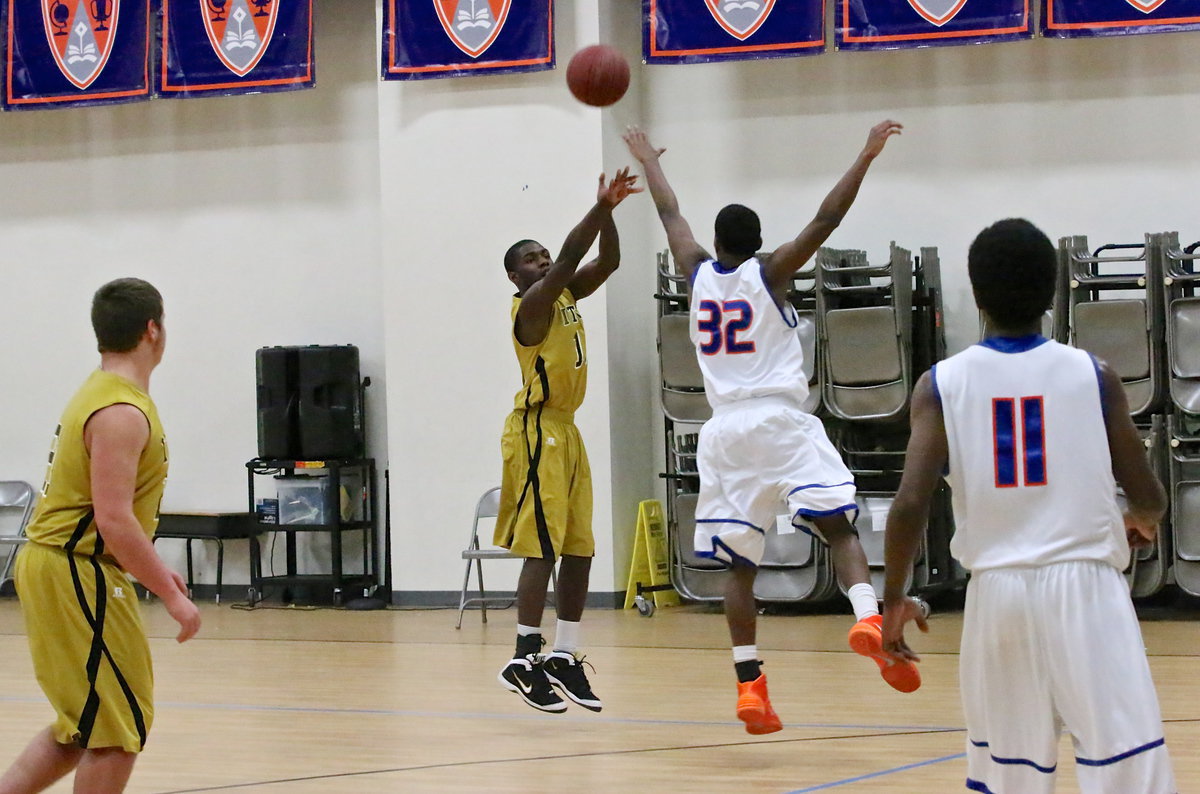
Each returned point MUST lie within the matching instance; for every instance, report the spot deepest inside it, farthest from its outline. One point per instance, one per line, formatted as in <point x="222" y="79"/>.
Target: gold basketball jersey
<point x="64" y="516"/>
<point x="555" y="371"/>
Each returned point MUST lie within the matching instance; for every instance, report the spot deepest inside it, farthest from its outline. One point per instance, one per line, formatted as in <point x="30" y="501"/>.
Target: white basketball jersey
<point x="1030" y="466"/>
<point x="746" y="344"/>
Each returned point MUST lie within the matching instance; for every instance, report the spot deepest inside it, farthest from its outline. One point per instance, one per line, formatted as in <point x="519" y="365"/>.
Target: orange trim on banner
<point x="394" y="69"/>
<point x="948" y="34"/>
<point x="1052" y="25"/>
<point x="76" y="97"/>
<point x="654" y="50"/>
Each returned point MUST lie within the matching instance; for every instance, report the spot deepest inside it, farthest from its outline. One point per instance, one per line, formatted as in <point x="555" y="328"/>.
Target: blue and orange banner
<point x="215" y="47"/>
<point x="700" y="31"/>
<point x="1066" y="19"/>
<point x="898" y="24"/>
<point x="63" y="53"/>
<point x="423" y="39"/>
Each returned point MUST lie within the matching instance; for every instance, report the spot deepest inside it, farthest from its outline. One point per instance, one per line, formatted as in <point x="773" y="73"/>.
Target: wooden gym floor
<point x="306" y="701"/>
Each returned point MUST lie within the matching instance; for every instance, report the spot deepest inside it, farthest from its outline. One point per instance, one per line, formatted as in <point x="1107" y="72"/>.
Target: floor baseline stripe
<point x="565" y="756"/>
<point x="892" y="771"/>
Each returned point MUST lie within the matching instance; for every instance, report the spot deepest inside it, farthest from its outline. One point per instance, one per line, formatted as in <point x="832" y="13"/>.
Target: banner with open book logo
<point x="1066" y="19"/>
<point x="423" y="39"/>
<point x="63" y="53"/>
<point x="699" y="31"/>
<point x="898" y="24"/>
<point x="235" y="46"/>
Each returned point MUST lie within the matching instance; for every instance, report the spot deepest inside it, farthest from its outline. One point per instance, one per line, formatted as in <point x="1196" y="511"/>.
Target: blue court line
<point x="516" y="715"/>
<point x="892" y="771"/>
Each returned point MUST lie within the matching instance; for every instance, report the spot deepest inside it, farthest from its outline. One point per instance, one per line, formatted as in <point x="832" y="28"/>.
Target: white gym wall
<point x="377" y="214"/>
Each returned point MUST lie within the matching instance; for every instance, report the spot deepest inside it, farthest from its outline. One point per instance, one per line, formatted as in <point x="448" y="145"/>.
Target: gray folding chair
<point x="695" y="578"/>
<point x="1184" y="461"/>
<point x="803" y="298"/>
<point x="1114" y="308"/>
<point x="488" y="506"/>
<point x="1149" y="569"/>
<point x="865" y="326"/>
<point x="683" y="398"/>
<point x="795" y="567"/>
<point x="16" y="506"/>
<point x="1181" y="285"/>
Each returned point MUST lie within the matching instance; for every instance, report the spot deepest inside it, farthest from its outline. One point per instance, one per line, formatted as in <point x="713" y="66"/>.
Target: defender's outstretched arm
<point x="686" y="252"/>
<point x="792" y="255"/>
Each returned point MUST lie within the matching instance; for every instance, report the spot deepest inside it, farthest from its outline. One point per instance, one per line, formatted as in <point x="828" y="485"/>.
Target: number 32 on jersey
<point x="723" y="323"/>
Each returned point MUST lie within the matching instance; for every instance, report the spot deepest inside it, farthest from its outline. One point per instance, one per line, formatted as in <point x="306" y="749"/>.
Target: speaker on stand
<point x="310" y="408"/>
<point x="330" y="410"/>
<point x="278" y="403"/>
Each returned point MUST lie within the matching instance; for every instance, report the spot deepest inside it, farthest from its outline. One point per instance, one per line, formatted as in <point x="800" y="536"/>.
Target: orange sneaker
<point x="754" y="707"/>
<point x="866" y="638"/>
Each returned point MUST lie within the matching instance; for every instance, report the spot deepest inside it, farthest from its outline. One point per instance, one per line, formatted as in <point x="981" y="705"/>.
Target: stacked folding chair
<point x="867" y="331"/>
<point x="1180" y="282"/>
<point x="1112" y="307"/>
<point x="685" y="408"/>
<point x="880" y="327"/>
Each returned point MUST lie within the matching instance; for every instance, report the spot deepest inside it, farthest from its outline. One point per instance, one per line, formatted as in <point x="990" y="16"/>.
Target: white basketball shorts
<point x="1053" y="647"/>
<point x="756" y="456"/>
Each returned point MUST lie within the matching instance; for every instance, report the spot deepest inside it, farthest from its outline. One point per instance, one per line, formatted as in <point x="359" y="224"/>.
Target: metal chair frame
<point x="15" y="495"/>
<point x="488" y="506"/>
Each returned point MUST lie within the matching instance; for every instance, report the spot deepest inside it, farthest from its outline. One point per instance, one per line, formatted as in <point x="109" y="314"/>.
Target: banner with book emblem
<point x="235" y="47"/>
<point x="423" y="39"/>
<point x="1065" y="19"/>
<point x="700" y="31"/>
<point x="63" y="53"/>
<point x="899" y="24"/>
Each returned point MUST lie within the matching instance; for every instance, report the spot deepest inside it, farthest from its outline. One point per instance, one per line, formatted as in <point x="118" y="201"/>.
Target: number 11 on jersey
<point x="1031" y="446"/>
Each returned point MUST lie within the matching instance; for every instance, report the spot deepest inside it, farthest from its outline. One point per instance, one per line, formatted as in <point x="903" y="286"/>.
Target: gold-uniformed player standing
<point x="546" y="490"/>
<point x="93" y="527"/>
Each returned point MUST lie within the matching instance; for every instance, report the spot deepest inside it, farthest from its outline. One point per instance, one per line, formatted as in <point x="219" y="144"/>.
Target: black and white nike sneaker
<point x="524" y="676"/>
<point x="566" y="672"/>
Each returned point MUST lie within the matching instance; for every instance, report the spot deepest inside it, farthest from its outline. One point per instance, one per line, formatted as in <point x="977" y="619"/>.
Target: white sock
<point x="745" y="653"/>
<point x="863" y="600"/>
<point x="566" y="636"/>
<point x="525" y="631"/>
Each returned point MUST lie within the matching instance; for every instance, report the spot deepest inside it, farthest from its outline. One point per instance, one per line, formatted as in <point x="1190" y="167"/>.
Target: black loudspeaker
<point x="331" y="412"/>
<point x="278" y="403"/>
<point x="310" y="403"/>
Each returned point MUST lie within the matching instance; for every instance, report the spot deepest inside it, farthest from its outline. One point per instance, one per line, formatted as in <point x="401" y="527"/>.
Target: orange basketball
<point x="598" y="75"/>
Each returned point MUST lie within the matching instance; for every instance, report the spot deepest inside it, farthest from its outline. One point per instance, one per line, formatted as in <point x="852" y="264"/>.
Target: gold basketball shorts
<point x="89" y="647"/>
<point x="546" y="487"/>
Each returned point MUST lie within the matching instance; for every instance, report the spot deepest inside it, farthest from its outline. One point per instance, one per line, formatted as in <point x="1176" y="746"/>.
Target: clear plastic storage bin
<point x="304" y="500"/>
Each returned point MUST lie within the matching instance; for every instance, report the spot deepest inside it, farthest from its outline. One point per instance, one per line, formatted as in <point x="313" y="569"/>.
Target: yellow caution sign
<point x="650" y="569"/>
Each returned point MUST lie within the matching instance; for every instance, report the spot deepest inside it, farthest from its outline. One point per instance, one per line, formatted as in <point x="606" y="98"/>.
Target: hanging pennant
<point x="423" y="39"/>
<point x="64" y="53"/>
<point x="235" y="47"/>
<point x="1065" y="19"/>
<point x="898" y="24"/>
<point x="699" y="31"/>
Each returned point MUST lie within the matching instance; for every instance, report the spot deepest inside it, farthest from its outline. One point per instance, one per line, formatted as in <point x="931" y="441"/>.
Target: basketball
<point x="598" y="75"/>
